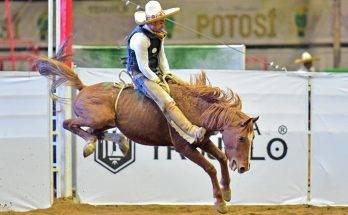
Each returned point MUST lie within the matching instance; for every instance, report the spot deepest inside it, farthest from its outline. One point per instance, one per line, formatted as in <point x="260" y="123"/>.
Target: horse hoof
<point x="226" y="195"/>
<point x="89" y="149"/>
<point x="124" y="145"/>
<point x="221" y="207"/>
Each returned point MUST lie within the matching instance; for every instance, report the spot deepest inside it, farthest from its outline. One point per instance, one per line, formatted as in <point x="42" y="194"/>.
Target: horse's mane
<point x="201" y="87"/>
<point x="225" y="105"/>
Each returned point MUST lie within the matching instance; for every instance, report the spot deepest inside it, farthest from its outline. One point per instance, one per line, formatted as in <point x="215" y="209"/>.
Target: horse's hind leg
<point x="117" y="138"/>
<point x="194" y="155"/>
<point x="213" y="150"/>
<point x="74" y="125"/>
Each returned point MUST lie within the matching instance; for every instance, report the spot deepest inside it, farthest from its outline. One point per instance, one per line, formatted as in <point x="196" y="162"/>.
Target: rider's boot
<point x="196" y="133"/>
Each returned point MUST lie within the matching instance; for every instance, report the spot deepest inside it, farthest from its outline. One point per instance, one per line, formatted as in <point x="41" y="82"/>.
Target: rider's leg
<point x="167" y="104"/>
<point x="179" y="118"/>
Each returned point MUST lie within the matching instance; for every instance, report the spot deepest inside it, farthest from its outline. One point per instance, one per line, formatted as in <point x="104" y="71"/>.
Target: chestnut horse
<point x="142" y="121"/>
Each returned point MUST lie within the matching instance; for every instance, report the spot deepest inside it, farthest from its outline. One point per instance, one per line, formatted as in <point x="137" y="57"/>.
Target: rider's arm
<point x="164" y="67"/>
<point x="140" y="43"/>
<point x="163" y="62"/>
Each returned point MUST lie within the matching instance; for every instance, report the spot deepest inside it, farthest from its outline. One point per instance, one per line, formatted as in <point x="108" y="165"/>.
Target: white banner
<point x="25" y="173"/>
<point x="329" y="145"/>
<point x="278" y="172"/>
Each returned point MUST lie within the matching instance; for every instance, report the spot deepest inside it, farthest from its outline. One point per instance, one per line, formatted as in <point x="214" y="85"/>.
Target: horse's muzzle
<point x="241" y="170"/>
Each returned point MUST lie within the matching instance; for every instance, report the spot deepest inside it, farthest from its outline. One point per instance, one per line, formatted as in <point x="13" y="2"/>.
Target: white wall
<point x="25" y="178"/>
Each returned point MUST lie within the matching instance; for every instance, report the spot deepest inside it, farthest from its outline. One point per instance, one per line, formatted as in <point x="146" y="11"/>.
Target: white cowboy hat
<point x="153" y="12"/>
<point x="306" y="57"/>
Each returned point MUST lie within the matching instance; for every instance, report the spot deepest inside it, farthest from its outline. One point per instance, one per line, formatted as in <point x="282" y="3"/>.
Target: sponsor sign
<point x="109" y="155"/>
<point x="161" y="175"/>
<point x="198" y="22"/>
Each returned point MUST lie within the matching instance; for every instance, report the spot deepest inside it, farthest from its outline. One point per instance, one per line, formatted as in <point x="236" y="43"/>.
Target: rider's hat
<point x="153" y="12"/>
<point x="306" y="57"/>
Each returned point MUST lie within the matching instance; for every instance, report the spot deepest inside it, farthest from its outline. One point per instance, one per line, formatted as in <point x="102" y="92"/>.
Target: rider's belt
<point x="137" y="75"/>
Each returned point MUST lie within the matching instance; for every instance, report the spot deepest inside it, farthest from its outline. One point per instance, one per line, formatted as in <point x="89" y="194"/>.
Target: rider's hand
<point x="164" y="86"/>
<point x="157" y="81"/>
<point x="169" y="78"/>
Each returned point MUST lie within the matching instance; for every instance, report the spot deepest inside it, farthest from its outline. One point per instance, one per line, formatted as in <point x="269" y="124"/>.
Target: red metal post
<point x="65" y="138"/>
<point x="66" y="25"/>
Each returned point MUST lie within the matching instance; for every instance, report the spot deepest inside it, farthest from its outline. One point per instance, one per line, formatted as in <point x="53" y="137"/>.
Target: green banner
<point x="179" y="57"/>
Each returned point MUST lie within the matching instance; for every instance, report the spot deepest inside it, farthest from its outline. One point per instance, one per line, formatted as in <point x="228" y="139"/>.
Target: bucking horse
<point x="103" y="106"/>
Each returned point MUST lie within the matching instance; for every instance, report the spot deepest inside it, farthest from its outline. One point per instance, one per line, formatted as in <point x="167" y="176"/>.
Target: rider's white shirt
<point x="140" y="44"/>
<point x="304" y="69"/>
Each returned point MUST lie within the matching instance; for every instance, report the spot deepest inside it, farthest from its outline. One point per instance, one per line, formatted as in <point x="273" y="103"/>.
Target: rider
<point x="148" y="63"/>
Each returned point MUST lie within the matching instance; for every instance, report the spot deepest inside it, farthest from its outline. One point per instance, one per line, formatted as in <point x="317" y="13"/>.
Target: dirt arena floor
<point x="68" y="207"/>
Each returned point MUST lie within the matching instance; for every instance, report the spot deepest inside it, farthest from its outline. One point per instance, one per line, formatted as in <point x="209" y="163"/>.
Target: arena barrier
<point x="279" y="167"/>
<point x="25" y="149"/>
<point x="329" y="145"/>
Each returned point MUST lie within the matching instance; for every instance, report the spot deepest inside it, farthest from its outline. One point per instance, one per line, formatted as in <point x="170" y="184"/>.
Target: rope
<point x="118" y="97"/>
<point x="121" y="85"/>
<point x="122" y="81"/>
<point x="170" y="132"/>
<point x="165" y="83"/>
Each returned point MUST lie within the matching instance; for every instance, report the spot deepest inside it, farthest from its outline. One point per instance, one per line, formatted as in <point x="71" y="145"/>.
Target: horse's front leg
<point x="194" y="155"/>
<point x="213" y="150"/>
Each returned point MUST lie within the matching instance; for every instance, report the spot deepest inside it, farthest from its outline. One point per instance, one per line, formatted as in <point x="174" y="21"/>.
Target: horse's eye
<point x="241" y="139"/>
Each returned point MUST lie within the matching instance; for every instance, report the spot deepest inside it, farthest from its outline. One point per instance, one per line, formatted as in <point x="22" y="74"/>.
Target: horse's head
<point x="238" y="140"/>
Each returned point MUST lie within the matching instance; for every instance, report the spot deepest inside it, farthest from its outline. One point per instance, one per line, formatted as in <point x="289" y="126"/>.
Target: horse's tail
<point x="56" y="70"/>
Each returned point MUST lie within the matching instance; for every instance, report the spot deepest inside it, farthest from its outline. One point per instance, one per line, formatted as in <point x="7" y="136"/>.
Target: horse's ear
<point x="246" y="122"/>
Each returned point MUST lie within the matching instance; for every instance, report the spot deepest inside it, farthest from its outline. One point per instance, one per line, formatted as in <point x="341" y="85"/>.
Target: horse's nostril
<point x="242" y="170"/>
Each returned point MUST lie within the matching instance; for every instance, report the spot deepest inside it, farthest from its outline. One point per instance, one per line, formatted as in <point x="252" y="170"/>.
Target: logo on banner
<point x="109" y="155"/>
<point x="276" y="148"/>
